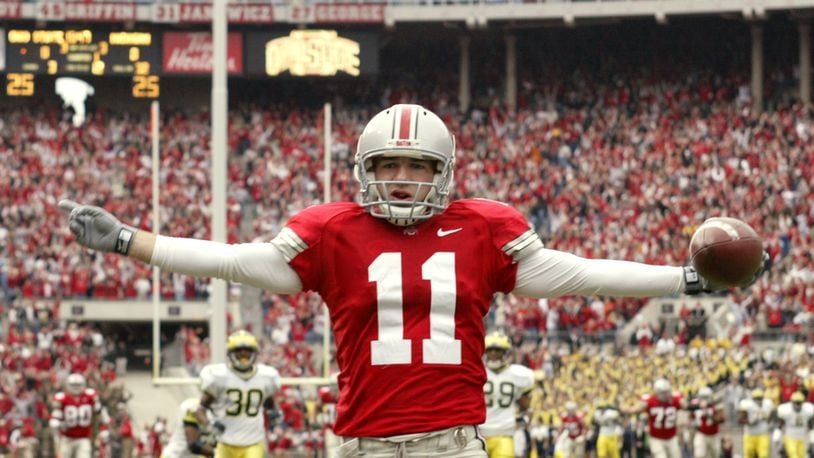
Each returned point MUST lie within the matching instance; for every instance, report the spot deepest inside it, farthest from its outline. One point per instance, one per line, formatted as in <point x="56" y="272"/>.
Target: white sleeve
<point x="256" y="264"/>
<point x="552" y="273"/>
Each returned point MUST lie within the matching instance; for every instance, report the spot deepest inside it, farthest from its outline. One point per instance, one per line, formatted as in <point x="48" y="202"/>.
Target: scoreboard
<point x="82" y="52"/>
<point x="31" y="56"/>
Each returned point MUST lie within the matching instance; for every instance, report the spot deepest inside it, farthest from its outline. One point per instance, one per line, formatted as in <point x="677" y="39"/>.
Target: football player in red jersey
<point x="407" y="275"/>
<point x="72" y="418"/>
<point x="326" y="408"/>
<point x="707" y="418"/>
<point x="662" y="411"/>
<point x="571" y="440"/>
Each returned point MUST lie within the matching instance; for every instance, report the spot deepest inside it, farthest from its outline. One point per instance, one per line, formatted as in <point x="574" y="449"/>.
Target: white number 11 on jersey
<point x="391" y="347"/>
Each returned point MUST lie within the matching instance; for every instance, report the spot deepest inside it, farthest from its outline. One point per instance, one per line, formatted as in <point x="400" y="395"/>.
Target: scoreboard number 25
<point x="20" y="84"/>
<point x="146" y="86"/>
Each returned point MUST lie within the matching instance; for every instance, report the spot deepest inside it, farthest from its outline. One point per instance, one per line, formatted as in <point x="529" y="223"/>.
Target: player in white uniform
<point x="796" y="420"/>
<point x="188" y="440"/>
<point x="754" y="415"/>
<point x="508" y="387"/>
<point x="240" y="394"/>
<point x="610" y="429"/>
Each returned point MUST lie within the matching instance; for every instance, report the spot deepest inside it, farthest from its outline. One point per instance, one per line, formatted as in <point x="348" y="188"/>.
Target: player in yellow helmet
<point x="609" y="419"/>
<point x="241" y="389"/>
<point x="754" y="415"/>
<point x="508" y="390"/>
<point x="187" y="435"/>
<point x="796" y="419"/>
<point x="241" y="349"/>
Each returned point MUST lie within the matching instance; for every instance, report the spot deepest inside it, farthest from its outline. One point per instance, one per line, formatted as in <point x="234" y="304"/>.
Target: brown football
<point x="726" y="251"/>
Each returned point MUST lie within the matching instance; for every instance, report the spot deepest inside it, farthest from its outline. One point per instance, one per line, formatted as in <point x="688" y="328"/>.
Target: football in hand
<point x="726" y="251"/>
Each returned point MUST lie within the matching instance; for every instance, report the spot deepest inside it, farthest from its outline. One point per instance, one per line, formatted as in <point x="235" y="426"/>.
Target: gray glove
<point x="97" y="229"/>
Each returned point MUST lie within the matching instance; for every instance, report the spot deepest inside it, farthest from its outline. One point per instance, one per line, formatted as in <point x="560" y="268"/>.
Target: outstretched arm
<point x="552" y="273"/>
<point x="257" y="264"/>
<point x="634" y="410"/>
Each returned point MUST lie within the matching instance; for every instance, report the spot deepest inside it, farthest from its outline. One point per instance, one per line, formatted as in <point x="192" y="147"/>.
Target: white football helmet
<point x="571" y="407"/>
<point x="405" y="131"/>
<point x="75" y="384"/>
<point x="662" y="389"/>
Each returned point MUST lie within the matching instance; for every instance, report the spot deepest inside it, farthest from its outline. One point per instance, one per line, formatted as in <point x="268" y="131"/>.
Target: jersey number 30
<point x="391" y="347"/>
<point x="244" y="401"/>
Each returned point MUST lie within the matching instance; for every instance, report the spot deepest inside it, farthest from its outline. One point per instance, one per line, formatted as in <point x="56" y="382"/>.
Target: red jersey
<point x="705" y="419"/>
<point x="407" y="307"/>
<point x="662" y="416"/>
<point x="327" y="406"/>
<point x="75" y="413"/>
<point x="573" y="424"/>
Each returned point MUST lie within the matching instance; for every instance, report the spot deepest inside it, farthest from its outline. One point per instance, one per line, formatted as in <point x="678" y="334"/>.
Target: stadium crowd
<point x="620" y="174"/>
<point x="37" y="353"/>
<point x="620" y="168"/>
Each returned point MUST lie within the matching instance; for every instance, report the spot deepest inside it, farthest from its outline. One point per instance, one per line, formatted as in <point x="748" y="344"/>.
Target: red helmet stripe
<point x="404" y="125"/>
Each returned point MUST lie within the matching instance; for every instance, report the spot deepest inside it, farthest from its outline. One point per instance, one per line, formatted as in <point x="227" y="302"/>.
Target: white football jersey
<point x="608" y="419"/>
<point x="502" y="389"/>
<point x="795" y="424"/>
<point x="177" y="446"/>
<point x="239" y="401"/>
<point x="757" y="416"/>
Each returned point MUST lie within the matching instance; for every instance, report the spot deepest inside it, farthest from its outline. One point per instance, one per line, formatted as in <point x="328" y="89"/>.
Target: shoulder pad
<point x="783" y="408"/>
<point x="322" y="213"/>
<point x="267" y="370"/>
<point x="511" y="231"/>
<point x="489" y="209"/>
<point x="190" y="404"/>
<point x="525" y="374"/>
<point x="213" y="373"/>
<point x="304" y="229"/>
<point x="214" y="370"/>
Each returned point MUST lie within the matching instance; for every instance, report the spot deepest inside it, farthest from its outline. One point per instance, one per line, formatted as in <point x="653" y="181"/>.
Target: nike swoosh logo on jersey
<point x="443" y="233"/>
